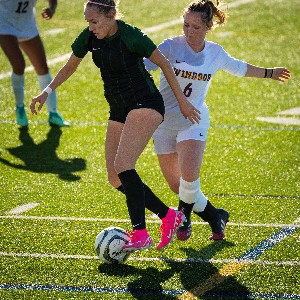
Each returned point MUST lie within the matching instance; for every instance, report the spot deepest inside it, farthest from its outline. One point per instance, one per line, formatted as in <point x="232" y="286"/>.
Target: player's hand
<point x="281" y="74"/>
<point x="190" y="112"/>
<point x="47" y="13"/>
<point x="41" y="99"/>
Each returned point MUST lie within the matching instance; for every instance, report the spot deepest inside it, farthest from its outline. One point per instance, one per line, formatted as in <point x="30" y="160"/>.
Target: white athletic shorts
<point x="165" y="139"/>
<point x="17" y="18"/>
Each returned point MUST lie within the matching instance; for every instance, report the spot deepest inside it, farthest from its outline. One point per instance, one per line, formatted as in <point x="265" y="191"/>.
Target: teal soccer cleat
<point x="55" y="119"/>
<point x="21" y="116"/>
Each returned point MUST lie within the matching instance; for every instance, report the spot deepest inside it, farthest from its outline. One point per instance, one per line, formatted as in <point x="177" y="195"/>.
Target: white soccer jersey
<point x="194" y="73"/>
<point x="18" y="18"/>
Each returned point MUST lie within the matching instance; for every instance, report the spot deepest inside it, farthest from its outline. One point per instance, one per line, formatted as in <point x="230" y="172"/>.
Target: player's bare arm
<point x="277" y="73"/>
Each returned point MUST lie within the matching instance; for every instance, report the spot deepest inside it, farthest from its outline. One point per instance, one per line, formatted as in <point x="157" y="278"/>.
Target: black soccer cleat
<point x="184" y="232"/>
<point x="218" y="226"/>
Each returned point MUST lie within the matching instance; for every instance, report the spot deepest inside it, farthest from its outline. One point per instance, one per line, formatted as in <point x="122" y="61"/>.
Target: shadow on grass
<point x="194" y="274"/>
<point x="42" y="158"/>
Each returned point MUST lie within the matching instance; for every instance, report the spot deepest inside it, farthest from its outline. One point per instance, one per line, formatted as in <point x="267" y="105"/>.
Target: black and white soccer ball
<point x="108" y="245"/>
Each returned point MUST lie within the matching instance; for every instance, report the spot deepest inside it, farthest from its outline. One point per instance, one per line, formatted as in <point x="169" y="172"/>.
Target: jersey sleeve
<point x="164" y="47"/>
<point x="80" y="45"/>
<point x="232" y="65"/>
<point x="136" y="40"/>
<point x="144" y="45"/>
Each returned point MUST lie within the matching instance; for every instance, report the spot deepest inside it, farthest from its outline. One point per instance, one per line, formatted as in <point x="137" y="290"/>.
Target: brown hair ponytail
<point x="211" y="14"/>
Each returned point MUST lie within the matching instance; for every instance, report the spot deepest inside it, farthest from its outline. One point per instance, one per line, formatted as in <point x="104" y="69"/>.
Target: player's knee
<point x="41" y="70"/>
<point x="188" y="191"/>
<point x="19" y="68"/>
<point x="113" y="179"/>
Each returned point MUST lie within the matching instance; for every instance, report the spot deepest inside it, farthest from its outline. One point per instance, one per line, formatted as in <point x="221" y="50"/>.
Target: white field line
<point x="50" y="62"/>
<point x="159" y="259"/>
<point x="162" y="26"/>
<point x="146" y="30"/>
<point x="22" y="208"/>
<point x="79" y="123"/>
<point x="228" y="127"/>
<point x="277" y="120"/>
<point x="111" y="220"/>
<point x="54" y="31"/>
<point x="179" y="21"/>
<point x="293" y="111"/>
<point x="238" y="3"/>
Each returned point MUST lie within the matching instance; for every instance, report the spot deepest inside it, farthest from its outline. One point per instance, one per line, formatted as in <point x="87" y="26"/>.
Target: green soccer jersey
<point x="120" y="59"/>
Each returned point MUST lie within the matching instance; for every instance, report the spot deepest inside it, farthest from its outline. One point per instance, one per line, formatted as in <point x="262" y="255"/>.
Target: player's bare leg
<point x="35" y="51"/>
<point x="10" y="47"/>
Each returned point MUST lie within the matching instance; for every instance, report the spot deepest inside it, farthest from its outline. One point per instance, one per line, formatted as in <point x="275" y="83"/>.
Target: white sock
<point x="44" y="81"/>
<point x="18" y="82"/>
<point x="200" y="202"/>
<point x="188" y="190"/>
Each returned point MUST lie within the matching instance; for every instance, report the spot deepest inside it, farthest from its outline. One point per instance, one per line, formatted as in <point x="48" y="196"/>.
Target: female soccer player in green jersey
<point x="136" y="109"/>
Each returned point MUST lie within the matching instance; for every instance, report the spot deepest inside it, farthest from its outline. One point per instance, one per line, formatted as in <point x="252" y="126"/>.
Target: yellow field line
<point x="232" y="268"/>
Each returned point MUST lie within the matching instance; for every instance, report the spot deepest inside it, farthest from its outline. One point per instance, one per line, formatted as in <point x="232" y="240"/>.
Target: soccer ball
<point x="108" y="245"/>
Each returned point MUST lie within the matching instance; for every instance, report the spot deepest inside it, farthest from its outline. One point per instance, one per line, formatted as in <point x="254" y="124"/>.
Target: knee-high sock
<point x="209" y="214"/>
<point x="186" y="208"/>
<point x="135" y="197"/>
<point x="152" y="202"/>
<point x="190" y="197"/>
<point x="200" y="202"/>
<point x="44" y="81"/>
<point x="18" y="82"/>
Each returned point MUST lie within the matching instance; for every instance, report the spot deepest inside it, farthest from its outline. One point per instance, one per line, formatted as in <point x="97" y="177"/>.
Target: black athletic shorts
<point x="119" y="114"/>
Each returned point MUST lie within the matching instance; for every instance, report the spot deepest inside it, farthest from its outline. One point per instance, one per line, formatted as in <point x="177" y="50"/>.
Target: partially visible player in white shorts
<point x="18" y="30"/>
<point x="17" y="18"/>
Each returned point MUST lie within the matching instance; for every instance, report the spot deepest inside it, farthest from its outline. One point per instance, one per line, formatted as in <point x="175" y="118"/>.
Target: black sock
<point x="186" y="208"/>
<point x="209" y="214"/>
<point x="121" y="189"/>
<point x="135" y="197"/>
<point x="152" y="202"/>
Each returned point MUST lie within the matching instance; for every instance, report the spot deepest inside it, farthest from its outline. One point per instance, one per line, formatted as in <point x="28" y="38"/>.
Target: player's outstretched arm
<point x="64" y="73"/>
<point x="277" y="73"/>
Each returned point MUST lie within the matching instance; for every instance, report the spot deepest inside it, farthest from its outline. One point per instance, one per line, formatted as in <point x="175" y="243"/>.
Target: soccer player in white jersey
<point x="179" y="143"/>
<point x="18" y="30"/>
